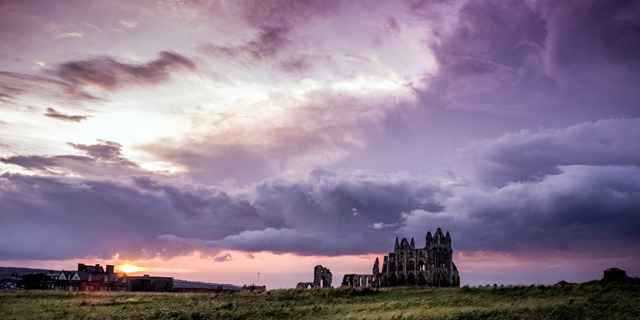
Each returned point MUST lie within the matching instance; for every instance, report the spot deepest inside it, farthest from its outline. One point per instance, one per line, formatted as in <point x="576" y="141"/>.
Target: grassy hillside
<point x="177" y="283"/>
<point x="591" y="300"/>
<point x="6" y="272"/>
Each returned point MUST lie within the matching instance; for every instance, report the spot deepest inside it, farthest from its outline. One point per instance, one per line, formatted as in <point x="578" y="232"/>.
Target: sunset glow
<point x="129" y="269"/>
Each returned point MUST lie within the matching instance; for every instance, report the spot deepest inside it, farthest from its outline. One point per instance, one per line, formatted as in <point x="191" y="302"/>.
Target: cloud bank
<point x="585" y="208"/>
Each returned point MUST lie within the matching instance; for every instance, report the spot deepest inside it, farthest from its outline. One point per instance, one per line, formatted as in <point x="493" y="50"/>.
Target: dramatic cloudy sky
<point x="214" y="140"/>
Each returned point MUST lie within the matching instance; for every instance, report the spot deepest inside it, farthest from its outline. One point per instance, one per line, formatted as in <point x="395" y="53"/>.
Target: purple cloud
<point x="268" y="46"/>
<point x="52" y="113"/>
<point x="324" y="120"/>
<point x="591" y="39"/>
<point x="226" y="257"/>
<point x="269" y="42"/>
<point x="390" y="23"/>
<point x="275" y="21"/>
<point x="583" y="210"/>
<point x="556" y="213"/>
<point x="18" y="84"/>
<point x="528" y="155"/>
<point x="104" y="157"/>
<point x="274" y="12"/>
<point x="7" y="94"/>
<point x="109" y="74"/>
<point x="512" y="57"/>
<point x="107" y="150"/>
<point x="37" y="208"/>
<point x="42" y="162"/>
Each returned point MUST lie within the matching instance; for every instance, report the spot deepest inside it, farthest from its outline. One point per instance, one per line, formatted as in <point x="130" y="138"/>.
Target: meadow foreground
<point x="590" y="300"/>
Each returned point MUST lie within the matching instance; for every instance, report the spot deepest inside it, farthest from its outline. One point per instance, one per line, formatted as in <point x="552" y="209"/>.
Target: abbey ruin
<point x="321" y="278"/>
<point x="407" y="266"/>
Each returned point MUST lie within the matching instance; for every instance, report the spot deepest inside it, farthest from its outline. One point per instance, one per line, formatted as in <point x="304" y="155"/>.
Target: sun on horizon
<point x="129" y="268"/>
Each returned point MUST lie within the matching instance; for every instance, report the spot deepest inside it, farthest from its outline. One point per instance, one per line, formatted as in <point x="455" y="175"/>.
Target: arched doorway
<point x="411" y="280"/>
<point x="422" y="281"/>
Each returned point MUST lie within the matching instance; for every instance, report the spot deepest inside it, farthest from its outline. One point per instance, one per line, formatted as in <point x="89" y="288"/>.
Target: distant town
<point x="98" y="278"/>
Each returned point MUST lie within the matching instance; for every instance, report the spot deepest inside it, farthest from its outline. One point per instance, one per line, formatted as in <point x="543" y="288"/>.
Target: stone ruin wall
<point x="406" y="266"/>
<point x="322" y="278"/>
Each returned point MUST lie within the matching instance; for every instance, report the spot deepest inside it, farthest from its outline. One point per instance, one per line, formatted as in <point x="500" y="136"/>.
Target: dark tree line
<point x="33" y="281"/>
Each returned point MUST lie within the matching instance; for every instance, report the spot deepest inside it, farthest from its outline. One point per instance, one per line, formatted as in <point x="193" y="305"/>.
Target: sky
<point x="246" y="141"/>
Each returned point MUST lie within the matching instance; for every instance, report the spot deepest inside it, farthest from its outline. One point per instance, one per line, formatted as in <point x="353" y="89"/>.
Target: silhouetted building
<point x="151" y="284"/>
<point x="89" y="278"/>
<point x="407" y="266"/>
<point x="614" y="273"/>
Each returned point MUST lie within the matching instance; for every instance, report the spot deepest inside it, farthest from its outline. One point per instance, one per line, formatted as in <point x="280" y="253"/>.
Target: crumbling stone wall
<point x="358" y="281"/>
<point x="410" y="266"/>
<point x="429" y="266"/>
<point x="305" y="285"/>
<point x="322" y="277"/>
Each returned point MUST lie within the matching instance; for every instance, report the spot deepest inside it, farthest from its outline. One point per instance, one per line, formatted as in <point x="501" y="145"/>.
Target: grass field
<point x="590" y="300"/>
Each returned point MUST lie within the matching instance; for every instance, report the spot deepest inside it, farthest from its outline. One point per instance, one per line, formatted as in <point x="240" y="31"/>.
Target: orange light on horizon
<point x="130" y="268"/>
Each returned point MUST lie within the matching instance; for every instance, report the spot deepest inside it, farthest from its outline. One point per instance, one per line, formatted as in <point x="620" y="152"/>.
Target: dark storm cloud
<point x="569" y="190"/>
<point x="109" y="74"/>
<point x="224" y="214"/>
<point x="78" y="218"/>
<point x="587" y="37"/>
<point x="492" y="59"/>
<point x="527" y="155"/>
<point x="584" y="203"/>
<point x="147" y="217"/>
<point x="521" y="57"/>
<point x="52" y="113"/>
<point x="579" y="208"/>
<point x="583" y="210"/>
<point x="110" y="201"/>
<point x="327" y="214"/>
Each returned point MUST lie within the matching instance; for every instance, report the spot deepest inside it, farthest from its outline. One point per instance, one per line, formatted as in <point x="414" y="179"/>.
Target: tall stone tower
<point x="429" y="266"/>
